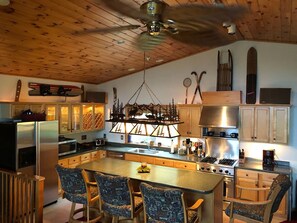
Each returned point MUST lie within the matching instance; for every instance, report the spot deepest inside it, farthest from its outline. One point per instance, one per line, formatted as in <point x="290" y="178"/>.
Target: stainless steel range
<point x="223" y="166"/>
<point x="222" y="155"/>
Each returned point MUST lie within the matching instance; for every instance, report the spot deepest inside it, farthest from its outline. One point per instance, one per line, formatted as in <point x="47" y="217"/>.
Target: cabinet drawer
<point x="94" y="155"/>
<point x="85" y="158"/>
<point x="267" y="176"/>
<point x="247" y="174"/>
<point x="185" y="165"/>
<point x="132" y="157"/>
<point x="102" y="154"/>
<point x="74" y="160"/>
<point x="63" y="162"/>
<point x="164" y="162"/>
<point x="147" y="159"/>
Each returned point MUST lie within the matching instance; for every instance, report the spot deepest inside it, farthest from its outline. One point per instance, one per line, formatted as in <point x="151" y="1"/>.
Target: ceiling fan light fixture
<point x="154" y="28"/>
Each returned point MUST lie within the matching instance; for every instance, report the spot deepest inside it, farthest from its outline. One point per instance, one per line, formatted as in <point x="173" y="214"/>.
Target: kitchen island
<point x="195" y="184"/>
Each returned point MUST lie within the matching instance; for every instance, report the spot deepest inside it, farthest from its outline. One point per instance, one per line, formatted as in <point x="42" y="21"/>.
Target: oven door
<point x="228" y="187"/>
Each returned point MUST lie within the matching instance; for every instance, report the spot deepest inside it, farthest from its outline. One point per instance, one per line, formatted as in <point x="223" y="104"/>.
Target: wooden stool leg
<point x="71" y="212"/>
<point x="115" y="219"/>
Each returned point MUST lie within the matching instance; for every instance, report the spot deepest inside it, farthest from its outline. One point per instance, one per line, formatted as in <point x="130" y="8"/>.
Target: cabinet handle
<point x="246" y="175"/>
<point x="274" y="138"/>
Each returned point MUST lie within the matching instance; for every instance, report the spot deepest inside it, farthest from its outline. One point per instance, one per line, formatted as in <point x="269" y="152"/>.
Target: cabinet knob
<point x="274" y="138"/>
<point x="255" y="137"/>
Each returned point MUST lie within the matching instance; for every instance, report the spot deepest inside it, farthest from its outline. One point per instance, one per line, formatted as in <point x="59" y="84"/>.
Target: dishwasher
<point x="115" y="155"/>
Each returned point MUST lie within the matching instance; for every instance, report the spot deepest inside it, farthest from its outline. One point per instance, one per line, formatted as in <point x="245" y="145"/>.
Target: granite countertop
<point x="254" y="164"/>
<point x="250" y="164"/>
<point x="185" y="179"/>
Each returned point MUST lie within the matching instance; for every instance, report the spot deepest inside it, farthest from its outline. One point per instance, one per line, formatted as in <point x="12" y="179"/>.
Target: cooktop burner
<point x="228" y="162"/>
<point x="209" y="159"/>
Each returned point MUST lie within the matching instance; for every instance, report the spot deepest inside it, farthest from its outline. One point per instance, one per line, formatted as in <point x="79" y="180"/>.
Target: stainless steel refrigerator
<point x="32" y="148"/>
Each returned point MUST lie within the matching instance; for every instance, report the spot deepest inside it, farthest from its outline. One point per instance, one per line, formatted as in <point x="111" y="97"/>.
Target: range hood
<point x="219" y="116"/>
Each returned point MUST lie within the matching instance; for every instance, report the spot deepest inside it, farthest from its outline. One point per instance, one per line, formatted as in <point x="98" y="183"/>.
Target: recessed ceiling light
<point x="131" y="69"/>
<point x="159" y="60"/>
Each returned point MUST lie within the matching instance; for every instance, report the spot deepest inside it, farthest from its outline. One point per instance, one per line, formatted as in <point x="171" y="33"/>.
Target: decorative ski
<point x="40" y="89"/>
<point x="251" y="77"/>
<point x="18" y="91"/>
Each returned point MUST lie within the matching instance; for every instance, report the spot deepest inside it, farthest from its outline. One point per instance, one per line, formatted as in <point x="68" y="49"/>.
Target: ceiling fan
<point x="189" y="23"/>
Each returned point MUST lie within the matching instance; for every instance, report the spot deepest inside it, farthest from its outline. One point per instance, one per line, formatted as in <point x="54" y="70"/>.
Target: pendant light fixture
<point x="152" y="119"/>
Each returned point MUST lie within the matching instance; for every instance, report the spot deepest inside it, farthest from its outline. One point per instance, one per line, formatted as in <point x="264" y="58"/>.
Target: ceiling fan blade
<point x="210" y="13"/>
<point x="202" y="38"/>
<point x="125" y="9"/>
<point x="146" y="42"/>
<point x="108" y="29"/>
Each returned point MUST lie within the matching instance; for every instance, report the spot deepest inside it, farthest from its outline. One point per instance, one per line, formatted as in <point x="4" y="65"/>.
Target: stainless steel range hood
<point x="219" y="116"/>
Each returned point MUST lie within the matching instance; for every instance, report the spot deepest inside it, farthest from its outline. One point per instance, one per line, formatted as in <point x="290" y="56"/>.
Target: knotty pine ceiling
<point x="37" y="37"/>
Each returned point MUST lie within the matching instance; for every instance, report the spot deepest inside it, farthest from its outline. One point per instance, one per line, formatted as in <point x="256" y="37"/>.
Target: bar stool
<point x="117" y="197"/>
<point x="79" y="190"/>
<point x="167" y="205"/>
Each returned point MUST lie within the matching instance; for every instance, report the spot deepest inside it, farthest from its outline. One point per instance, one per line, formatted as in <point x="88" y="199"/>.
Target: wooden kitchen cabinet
<point x="185" y="165"/>
<point x="255" y="123"/>
<point x="85" y="158"/>
<point x="139" y="158"/>
<point x="247" y="178"/>
<point x="74" y="161"/>
<point x="190" y="115"/>
<point x="51" y="111"/>
<point x="279" y="124"/>
<point x="132" y="157"/>
<point x="269" y="124"/>
<point x="18" y="108"/>
<point x="92" y="117"/>
<point x="70" y="118"/>
<point x="259" y="179"/>
<point x="164" y="162"/>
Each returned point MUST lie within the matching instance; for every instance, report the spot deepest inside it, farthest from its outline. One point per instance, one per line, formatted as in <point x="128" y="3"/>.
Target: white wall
<point x="277" y="67"/>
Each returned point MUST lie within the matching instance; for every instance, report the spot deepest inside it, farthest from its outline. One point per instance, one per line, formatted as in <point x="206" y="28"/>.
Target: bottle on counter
<point x="172" y="147"/>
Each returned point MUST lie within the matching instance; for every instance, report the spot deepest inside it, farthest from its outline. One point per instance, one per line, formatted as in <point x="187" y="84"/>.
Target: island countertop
<point x="185" y="179"/>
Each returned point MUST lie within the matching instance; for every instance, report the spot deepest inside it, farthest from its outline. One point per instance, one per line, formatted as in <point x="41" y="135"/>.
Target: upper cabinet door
<point x="254" y="124"/>
<point x="87" y="117"/>
<point x="262" y="124"/>
<point x="190" y="115"/>
<point x="268" y="124"/>
<point x="76" y="118"/>
<point x="280" y="125"/>
<point x="247" y="123"/>
<point x="64" y="119"/>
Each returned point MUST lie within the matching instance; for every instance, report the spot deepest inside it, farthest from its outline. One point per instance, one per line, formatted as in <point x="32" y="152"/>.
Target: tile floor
<point x="59" y="213"/>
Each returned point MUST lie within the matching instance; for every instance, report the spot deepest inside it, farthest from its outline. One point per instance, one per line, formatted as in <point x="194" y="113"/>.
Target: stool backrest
<point x="163" y="204"/>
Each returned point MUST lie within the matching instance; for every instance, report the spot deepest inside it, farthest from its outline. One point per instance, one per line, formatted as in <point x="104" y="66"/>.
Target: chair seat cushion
<point x="81" y="198"/>
<point x="255" y="212"/>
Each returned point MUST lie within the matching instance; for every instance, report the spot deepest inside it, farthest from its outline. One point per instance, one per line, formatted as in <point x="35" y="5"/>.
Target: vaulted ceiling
<point x="38" y="38"/>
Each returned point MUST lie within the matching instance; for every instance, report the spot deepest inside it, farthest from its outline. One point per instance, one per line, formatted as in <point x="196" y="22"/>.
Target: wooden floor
<point x="59" y="213"/>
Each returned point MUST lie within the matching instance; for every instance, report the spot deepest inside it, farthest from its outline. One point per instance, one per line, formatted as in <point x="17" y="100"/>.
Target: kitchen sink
<point x="143" y="151"/>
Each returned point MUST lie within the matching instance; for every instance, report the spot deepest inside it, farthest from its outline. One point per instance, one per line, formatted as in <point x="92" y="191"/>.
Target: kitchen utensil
<point x="210" y="133"/>
<point x="222" y="134"/>
<point x="187" y="83"/>
<point x="234" y="135"/>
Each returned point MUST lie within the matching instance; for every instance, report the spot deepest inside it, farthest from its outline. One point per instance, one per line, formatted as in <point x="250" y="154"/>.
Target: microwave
<point x="67" y="146"/>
